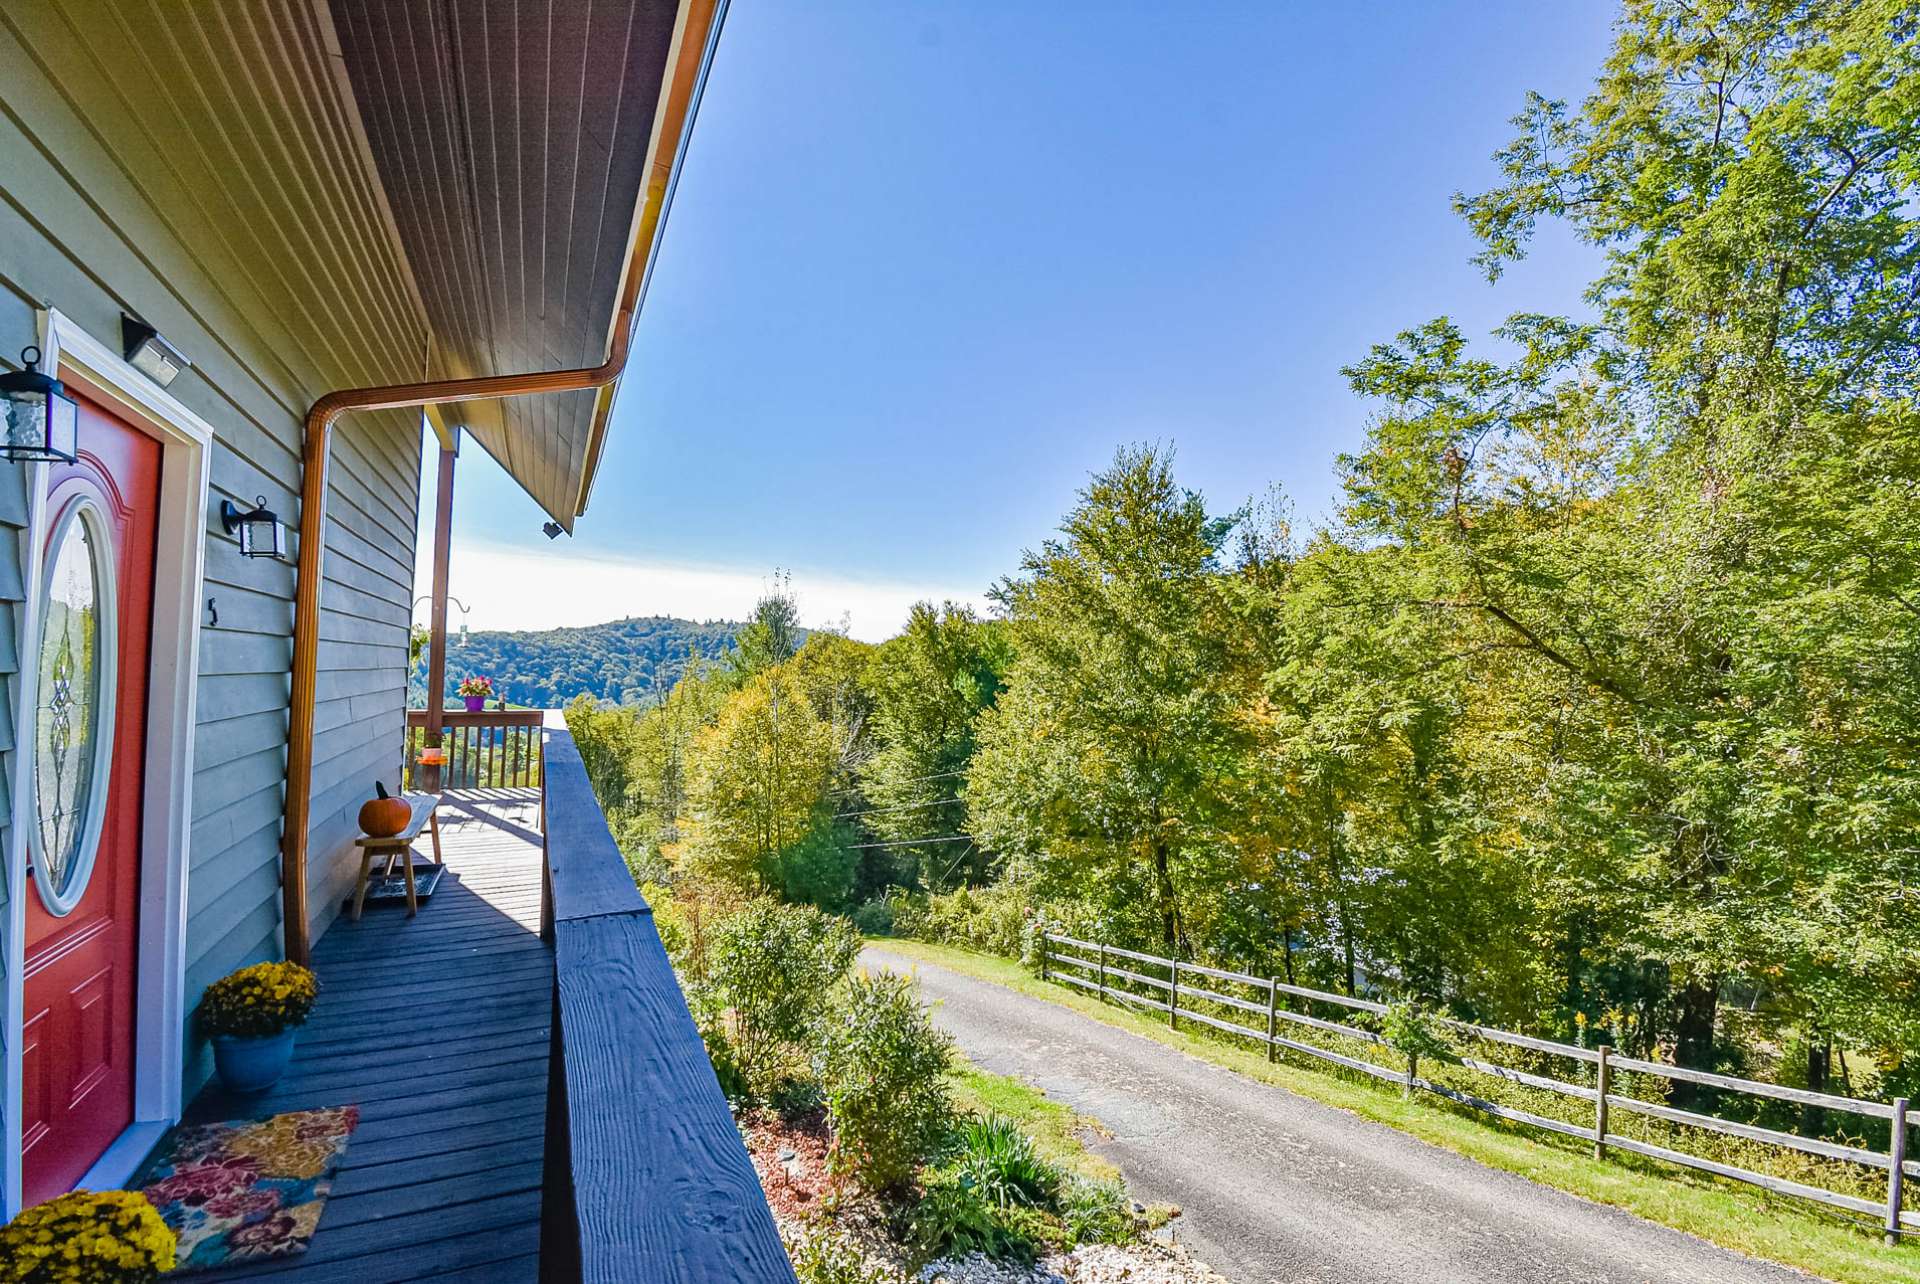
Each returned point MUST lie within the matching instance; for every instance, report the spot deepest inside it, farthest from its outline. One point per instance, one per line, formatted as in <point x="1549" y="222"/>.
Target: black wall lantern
<point x="261" y="532"/>
<point x="42" y="421"/>
<point x="148" y="352"/>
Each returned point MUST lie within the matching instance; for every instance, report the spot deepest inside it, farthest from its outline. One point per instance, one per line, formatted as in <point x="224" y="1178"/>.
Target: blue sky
<point x="930" y="264"/>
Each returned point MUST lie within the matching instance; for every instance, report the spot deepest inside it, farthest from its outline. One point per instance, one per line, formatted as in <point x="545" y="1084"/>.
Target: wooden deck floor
<point x="437" y="1027"/>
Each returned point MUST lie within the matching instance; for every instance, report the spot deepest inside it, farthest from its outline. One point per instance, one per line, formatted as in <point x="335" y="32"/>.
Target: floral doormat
<point x="252" y="1189"/>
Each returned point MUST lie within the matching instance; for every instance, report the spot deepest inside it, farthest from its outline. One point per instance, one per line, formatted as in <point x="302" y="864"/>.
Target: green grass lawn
<point x="1055" y="1129"/>
<point x="1742" y="1218"/>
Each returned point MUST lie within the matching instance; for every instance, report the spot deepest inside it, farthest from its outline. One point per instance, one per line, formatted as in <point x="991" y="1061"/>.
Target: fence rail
<point x="491" y="749"/>
<point x="1096" y="972"/>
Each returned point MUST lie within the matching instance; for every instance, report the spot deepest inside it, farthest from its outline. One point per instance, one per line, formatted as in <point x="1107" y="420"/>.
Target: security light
<point x="554" y="530"/>
<point x="148" y="352"/>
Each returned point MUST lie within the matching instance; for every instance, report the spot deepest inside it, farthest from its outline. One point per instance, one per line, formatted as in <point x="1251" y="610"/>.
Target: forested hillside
<point x="1594" y="711"/>
<point x="628" y="661"/>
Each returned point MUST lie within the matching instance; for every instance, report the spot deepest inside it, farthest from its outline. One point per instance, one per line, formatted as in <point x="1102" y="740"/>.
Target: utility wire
<point x="875" y="811"/>
<point x="910" y="842"/>
<point x="942" y="775"/>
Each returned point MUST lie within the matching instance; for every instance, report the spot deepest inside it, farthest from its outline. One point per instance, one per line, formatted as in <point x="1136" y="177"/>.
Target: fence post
<point x="1044" y="943"/>
<point x="1103" y="970"/>
<point x="1273" y="1000"/>
<point x="1413" y="1072"/>
<point x="1896" y="1172"/>
<point x="1602" y="1081"/>
<point x="1173" y="996"/>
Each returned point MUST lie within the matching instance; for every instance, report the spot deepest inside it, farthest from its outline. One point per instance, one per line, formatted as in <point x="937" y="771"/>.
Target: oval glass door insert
<point x="73" y="721"/>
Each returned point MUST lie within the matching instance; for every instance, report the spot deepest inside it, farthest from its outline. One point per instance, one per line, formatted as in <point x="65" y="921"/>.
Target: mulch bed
<point x="791" y="1157"/>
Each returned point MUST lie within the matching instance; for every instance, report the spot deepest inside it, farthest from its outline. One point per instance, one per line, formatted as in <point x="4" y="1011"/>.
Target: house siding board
<point x="176" y="170"/>
<point x="13" y="552"/>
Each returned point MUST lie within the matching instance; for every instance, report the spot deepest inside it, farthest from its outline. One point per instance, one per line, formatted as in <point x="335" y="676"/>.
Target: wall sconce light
<point x="553" y="530"/>
<point x="261" y="532"/>
<point x="148" y="352"/>
<point x="42" y="421"/>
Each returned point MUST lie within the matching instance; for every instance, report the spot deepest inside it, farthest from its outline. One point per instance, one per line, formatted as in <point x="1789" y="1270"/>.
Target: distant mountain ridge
<point x="631" y="661"/>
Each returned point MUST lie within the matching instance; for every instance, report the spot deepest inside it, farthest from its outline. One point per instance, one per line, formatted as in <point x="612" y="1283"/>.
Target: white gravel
<point x="1149" y="1262"/>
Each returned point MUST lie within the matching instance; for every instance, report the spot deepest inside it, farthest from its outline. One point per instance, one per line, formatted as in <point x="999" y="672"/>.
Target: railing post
<point x="1103" y="971"/>
<point x="1273" y="1002"/>
<point x="1896" y="1171"/>
<point x="1602" y="1082"/>
<point x="1173" y="996"/>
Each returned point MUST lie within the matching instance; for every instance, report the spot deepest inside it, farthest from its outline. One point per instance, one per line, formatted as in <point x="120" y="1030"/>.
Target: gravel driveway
<point x="1278" y="1187"/>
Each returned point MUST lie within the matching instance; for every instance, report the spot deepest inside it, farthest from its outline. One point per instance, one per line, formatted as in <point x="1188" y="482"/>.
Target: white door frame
<point x="186" y="441"/>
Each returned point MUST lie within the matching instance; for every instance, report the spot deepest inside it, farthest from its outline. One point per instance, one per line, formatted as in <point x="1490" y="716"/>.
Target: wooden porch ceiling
<point x="520" y="146"/>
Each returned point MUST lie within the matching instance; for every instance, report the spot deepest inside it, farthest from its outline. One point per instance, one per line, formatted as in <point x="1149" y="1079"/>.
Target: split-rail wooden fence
<point x="1102" y="969"/>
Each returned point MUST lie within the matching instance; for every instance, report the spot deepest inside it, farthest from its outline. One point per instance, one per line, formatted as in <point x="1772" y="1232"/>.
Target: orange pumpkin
<point x="384" y="816"/>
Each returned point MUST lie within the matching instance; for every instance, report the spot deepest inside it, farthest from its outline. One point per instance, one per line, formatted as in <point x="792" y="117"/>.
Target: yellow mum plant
<point x="259" y="1001"/>
<point x="87" y="1237"/>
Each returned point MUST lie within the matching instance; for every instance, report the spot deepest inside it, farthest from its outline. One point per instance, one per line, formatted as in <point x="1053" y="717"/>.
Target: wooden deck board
<point x="438" y="1028"/>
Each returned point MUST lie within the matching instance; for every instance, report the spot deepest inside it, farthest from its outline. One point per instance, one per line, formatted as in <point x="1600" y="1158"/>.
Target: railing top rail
<point x="484" y="718"/>
<point x="660" y="1183"/>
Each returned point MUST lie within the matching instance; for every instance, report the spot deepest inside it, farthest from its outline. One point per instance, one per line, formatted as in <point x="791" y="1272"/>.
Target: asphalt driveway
<point x="1276" y="1187"/>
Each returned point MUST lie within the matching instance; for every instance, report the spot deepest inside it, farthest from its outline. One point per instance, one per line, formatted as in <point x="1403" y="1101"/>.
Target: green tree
<point x="928" y="686"/>
<point x="757" y="776"/>
<point x="1107" y="762"/>
<point x="772" y="636"/>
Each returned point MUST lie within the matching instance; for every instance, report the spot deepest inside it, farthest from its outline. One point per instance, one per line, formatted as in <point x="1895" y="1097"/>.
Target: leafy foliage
<point x="1001" y="1163"/>
<point x="634" y="661"/>
<point x="87" y="1237"/>
<point x="259" y="1001"/>
<point x="771" y="971"/>
<point x="883" y="1066"/>
<point x="1590" y="709"/>
<point x="954" y="1218"/>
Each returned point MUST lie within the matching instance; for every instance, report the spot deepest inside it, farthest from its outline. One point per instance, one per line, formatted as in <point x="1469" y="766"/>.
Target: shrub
<point x="875" y="918"/>
<point x="827" y="1257"/>
<point x="726" y="1067"/>
<point x="1094" y="1212"/>
<point x="818" y="870"/>
<point x="1413" y="1031"/>
<point x="992" y="919"/>
<point x="258" y="1001"/>
<point x="773" y="968"/>
<point x="884" y="1068"/>
<point x="1003" y="1166"/>
<point x="109" y="1237"/>
<point x="952" y="1218"/>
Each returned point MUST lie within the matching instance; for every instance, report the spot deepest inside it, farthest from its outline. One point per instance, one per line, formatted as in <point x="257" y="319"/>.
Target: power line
<point x="910" y="842"/>
<point x="875" y="811"/>
<point x="939" y="775"/>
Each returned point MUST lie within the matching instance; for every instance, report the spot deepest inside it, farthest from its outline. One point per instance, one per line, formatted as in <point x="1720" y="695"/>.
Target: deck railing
<point x="1188" y="990"/>
<point x="491" y="749"/>
<point x="646" y="1176"/>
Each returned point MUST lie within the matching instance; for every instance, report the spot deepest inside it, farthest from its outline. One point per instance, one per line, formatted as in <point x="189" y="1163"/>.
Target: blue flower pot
<point x="252" y="1065"/>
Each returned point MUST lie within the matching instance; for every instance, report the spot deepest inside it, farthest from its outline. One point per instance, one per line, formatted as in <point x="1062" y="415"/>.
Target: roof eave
<point x="695" y="38"/>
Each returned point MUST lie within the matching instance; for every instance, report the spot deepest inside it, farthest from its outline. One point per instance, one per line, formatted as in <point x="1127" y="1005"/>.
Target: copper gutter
<point x="697" y="38"/>
<point x="306" y="603"/>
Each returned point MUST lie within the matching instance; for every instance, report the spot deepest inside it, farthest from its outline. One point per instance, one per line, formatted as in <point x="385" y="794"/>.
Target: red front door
<point x="83" y="811"/>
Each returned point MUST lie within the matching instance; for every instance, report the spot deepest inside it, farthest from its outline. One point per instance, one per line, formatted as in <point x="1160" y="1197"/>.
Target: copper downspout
<point x="700" y="31"/>
<point x="306" y="603"/>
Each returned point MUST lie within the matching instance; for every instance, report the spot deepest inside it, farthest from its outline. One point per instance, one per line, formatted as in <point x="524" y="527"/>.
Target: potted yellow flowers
<point x="251" y="1016"/>
<point x="87" y="1237"/>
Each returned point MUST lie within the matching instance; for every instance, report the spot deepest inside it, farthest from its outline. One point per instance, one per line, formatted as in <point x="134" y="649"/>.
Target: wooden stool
<point x="426" y="814"/>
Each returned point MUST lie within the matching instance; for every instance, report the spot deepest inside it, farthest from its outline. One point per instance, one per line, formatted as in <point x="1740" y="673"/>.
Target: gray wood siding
<point x="13" y="560"/>
<point x="192" y="164"/>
